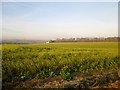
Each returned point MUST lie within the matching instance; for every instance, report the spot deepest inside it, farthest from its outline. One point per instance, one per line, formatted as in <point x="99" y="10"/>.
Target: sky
<point x="52" y="20"/>
<point x="60" y="0"/>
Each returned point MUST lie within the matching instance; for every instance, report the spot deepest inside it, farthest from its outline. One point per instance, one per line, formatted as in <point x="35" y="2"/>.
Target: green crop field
<point x="21" y="62"/>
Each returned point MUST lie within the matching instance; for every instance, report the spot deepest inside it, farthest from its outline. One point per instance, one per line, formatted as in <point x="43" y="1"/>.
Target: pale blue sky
<point x="59" y="20"/>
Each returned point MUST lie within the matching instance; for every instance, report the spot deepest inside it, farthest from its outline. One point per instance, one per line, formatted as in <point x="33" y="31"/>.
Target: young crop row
<point x="27" y="62"/>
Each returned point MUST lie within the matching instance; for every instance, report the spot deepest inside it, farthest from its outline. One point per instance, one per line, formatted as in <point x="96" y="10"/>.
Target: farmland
<point x="21" y="62"/>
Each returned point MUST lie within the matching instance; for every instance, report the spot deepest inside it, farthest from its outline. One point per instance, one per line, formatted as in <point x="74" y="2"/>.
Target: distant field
<point x="27" y="61"/>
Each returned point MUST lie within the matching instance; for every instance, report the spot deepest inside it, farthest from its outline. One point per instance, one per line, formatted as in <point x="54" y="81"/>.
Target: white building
<point x="47" y="42"/>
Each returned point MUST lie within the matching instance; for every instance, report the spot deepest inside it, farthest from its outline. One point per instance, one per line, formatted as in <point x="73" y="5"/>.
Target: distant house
<point x="47" y="42"/>
<point x="51" y="41"/>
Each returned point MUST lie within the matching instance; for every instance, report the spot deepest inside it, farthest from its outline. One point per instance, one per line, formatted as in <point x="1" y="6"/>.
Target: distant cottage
<point x="51" y="41"/>
<point x="47" y="42"/>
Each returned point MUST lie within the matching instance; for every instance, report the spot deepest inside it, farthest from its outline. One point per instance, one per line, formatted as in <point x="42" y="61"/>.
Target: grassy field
<point x="21" y="62"/>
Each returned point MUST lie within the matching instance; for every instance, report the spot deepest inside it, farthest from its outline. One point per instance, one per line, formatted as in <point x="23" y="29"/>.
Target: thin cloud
<point x="51" y="20"/>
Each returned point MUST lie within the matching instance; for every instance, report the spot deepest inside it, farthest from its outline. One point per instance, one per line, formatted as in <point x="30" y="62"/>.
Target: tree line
<point x="96" y="39"/>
